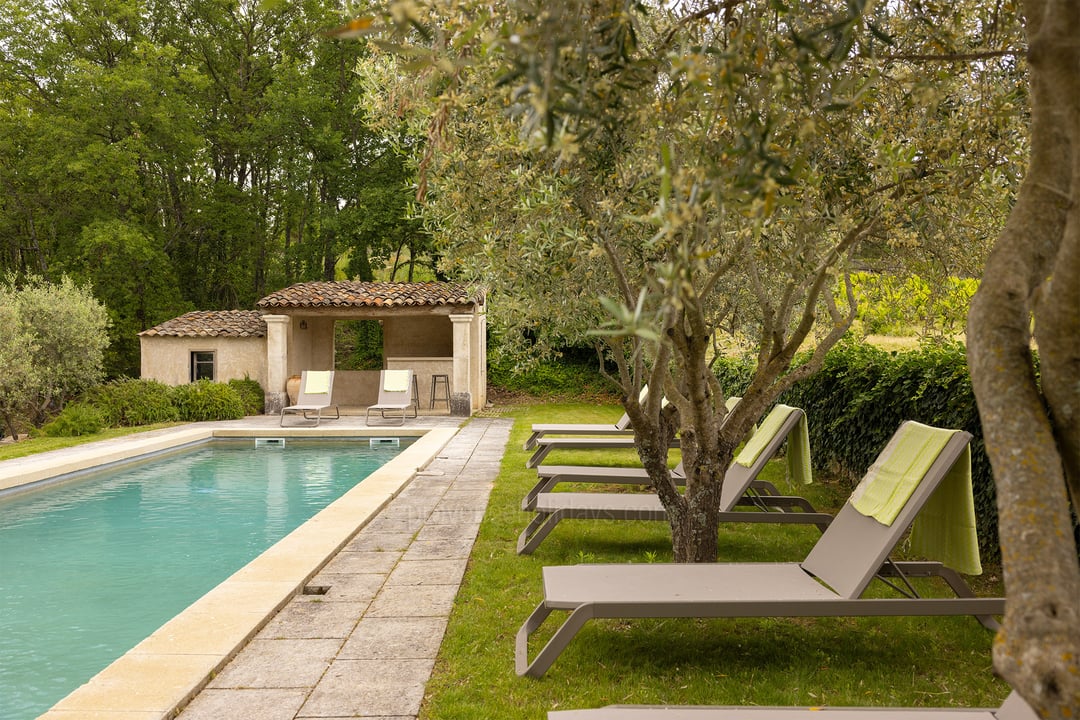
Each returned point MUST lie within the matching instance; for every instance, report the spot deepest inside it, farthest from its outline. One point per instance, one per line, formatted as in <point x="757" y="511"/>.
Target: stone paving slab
<point x="365" y="647"/>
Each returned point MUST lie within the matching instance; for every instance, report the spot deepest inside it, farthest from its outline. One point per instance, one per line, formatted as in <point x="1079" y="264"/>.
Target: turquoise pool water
<point x="89" y="568"/>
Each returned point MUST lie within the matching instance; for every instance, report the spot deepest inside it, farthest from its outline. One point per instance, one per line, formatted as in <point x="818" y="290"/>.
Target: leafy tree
<point x="1032" y="281"/>
<point x="215" y="136"/>
<point x="651" y="175"/>
<point x="56" y="346"/>
<point x="133" y="279"/>
<point x="20" y="376"/>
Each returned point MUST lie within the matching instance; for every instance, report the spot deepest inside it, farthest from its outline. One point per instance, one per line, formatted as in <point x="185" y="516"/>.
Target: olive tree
<point x="719" y="165"/>
<point x="1031" y="291"/>
<point x="653" y="177"/>
<point x="54" y="339"/>
<point x="17" y="348"/>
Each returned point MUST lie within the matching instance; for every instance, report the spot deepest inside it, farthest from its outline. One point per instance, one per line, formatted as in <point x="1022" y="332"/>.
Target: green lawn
<point x="868" y="661"/>
<point x="34" y="445"/>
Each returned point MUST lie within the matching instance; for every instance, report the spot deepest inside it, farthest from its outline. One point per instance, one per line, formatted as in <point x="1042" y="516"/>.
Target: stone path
<point x="361" y="642"/>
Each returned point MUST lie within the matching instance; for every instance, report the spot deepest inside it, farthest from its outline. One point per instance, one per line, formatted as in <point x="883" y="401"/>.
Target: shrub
<point x="207" y="400"/>
<point x="77" y="419"/>
<point x="251" y="395"/>
<point x="51" y="348"/>
<point x="862" y="394"/>
<point x="891" y="305"/>
<point x="547" y="379"/>
<point x="128" y="402"/>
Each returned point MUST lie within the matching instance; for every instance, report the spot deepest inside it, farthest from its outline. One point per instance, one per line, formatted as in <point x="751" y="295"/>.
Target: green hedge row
<point x="128" y="403"/>
<point x="862" y="394"/>
<point x="568" y="377"/>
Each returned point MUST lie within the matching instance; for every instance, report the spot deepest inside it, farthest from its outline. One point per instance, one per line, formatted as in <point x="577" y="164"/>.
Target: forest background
<point x="183" y="155"/>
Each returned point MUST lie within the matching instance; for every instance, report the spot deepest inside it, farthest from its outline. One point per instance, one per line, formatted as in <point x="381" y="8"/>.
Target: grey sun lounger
<point x="545" y="445"/>
<point x="549" y="476"/>
<point x="539" y="430"/>
<point x="1014" y="708"/>
<point x="620" y="427"/>
<point x="762" y="501"/>
<point x="828" y="583"/>
<point x="316" y="394"/>
<point x="396" y="396"/>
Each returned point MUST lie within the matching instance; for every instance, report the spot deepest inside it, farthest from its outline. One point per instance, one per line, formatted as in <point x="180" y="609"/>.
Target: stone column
<point x="461" y="397"/>
<point x="277" y="362"/>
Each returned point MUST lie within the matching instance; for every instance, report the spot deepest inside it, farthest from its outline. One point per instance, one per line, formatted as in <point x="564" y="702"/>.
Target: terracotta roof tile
<point x="212" y="323"/>
<point x="368" y="294"/>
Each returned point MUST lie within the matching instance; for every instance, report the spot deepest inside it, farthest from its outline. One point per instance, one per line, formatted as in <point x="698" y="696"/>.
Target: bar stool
<point x="440" y="381"/>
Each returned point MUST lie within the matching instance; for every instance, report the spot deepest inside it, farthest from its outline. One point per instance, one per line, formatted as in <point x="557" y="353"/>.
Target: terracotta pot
<point x="292" y="388"/>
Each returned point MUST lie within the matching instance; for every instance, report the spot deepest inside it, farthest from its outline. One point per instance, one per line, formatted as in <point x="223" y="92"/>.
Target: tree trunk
<point x="1038" y="648"/>
<point x="696" y="526"/>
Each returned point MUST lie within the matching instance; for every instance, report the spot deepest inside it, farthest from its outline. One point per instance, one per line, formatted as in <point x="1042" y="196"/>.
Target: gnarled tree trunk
<point x="1030" y="430"/>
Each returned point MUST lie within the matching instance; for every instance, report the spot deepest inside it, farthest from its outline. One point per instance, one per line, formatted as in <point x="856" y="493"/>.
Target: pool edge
<point x="166" y="670"/>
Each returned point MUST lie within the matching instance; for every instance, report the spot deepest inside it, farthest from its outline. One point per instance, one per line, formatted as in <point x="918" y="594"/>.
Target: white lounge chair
<point x="316" y="394"/>
<point x="396" y="395"/>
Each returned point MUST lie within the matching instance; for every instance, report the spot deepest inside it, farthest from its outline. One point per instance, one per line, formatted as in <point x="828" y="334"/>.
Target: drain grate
<point x="315" y="590"/>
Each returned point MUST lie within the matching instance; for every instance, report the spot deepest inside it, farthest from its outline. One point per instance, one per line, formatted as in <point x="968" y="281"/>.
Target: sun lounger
<point x="763" y="502"/>
<point x="1014" y="708"/>
<point x="396" y="396"/>
<point x="621" y="427"/>
<point x="539" y="430"/>
<point x="828" y="583"/>
<point x="545" y="445"/>
<point x="315" y="395"/>
<point x="549" y="476"/>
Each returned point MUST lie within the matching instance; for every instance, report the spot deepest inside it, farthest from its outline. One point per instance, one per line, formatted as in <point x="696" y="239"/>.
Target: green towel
<point x="396" y="380"/>
<point x="945" y="528"/>
<point x="317" y="382"/>
<point x="947" y="522"/>
<point x="798" y="453"/>
<point x="899" y="469"/>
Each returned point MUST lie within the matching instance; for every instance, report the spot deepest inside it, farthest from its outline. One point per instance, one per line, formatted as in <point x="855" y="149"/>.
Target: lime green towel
<point x="798" y="452"/>
<point x="762" y="435"/>
<point x="945" y="528"/>
<point x="899" y="469"/>
<point x="396" y="380"/>
<point x="947" y="522"/>
<point x="317" y="383"/>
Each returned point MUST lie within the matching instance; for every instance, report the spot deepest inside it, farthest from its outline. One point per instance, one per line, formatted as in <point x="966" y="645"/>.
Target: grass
<point x="836" y="661"/>
<point x="34" y="445"/>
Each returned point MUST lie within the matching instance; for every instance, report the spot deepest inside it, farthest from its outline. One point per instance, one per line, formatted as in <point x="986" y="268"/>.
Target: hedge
<point x="862" y="394"/>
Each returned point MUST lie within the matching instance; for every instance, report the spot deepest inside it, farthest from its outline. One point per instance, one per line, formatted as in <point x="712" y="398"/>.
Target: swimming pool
<point x="91" y="567"/>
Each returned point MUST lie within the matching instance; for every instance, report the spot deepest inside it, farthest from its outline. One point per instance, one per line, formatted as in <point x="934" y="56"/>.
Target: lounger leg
<point x="957" y="583"/>
<point x="542" y="485"/>
<point x="538" y="529"/>
<point x="764" y="486"/>
<point x="538" y="456"/>
<point x="555" y="645"/>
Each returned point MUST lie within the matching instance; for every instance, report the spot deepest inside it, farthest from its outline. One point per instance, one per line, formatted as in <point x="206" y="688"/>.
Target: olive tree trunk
<point x="1033" y="278"/>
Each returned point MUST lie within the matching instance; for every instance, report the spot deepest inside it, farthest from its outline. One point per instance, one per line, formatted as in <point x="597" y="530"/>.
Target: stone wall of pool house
<point x="168" y="359"/>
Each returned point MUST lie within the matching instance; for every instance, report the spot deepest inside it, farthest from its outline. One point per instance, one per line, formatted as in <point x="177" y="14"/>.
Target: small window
<point x="202" y="366"/>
